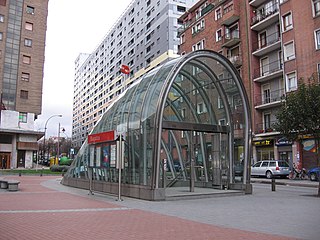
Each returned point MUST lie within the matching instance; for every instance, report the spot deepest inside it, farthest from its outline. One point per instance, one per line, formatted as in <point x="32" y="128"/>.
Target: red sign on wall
<point x="101" y="137"/>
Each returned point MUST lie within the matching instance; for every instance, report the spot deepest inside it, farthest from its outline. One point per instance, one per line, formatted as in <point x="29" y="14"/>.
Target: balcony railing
<point x="265" y="13"/>
<point x="235" y="60"/>
<point x="266" y="42"/>
<point x="269" y="97"/>
<point x="230" y="39"/>
<point x="267" y="69"/>
<point x="207" y="9"/>
<point x="266" y="127"/>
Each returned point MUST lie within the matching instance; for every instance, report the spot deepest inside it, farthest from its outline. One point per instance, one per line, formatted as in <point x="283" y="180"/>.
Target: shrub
<point x="59" y="168"/>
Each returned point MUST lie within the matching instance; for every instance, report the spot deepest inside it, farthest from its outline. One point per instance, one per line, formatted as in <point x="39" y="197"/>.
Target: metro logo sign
<point x="125" y="69"/>
<point x="101" y="137"/>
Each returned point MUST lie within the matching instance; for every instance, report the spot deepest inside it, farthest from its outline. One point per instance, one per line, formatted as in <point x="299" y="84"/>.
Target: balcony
<point x="265" y="17"/>
<point x="267" y="45"/>
<point x="268" y="71"/>
<point x="231" y="39"/>
<point x="265" y="128"/>
<point x="256" y="3"/>
<point x="269" y="99"/>
<point x="230" y="14"/>
<point x="235" y="60"/>
<point x="207" y="9"/>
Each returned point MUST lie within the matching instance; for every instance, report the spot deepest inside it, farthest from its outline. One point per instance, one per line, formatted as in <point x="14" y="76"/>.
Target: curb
<point x="297" y="184"/>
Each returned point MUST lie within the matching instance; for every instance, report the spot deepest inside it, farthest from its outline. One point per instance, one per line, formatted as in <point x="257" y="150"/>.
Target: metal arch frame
<point x="164" y="93"/>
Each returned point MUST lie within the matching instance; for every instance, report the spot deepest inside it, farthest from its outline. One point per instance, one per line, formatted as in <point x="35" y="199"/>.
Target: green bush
<point x="66" y="162"/>
<point x="59" y="168"/>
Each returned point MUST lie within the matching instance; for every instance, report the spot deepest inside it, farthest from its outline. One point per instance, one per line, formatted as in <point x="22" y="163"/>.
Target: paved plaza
<point x="45" y="209"/>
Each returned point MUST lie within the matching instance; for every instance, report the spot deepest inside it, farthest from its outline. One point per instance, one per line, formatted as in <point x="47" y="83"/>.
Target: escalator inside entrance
<point x="194" y="159"/>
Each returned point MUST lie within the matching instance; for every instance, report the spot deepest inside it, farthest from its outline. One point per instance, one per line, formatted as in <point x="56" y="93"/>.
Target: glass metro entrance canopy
<point x="185" y="123"/>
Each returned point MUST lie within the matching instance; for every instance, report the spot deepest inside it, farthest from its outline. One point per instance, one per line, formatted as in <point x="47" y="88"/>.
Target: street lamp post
<point x="58" y="148"/>
<point x="45" y="129"/>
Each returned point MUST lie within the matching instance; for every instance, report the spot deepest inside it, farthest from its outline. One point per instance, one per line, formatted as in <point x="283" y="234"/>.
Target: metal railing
<point x="269" y="40"/>
<point x="267" y="69"/>
<point x="268" y="97"/>
<point x="265" y="127"/>
<point x="265" y="13"/>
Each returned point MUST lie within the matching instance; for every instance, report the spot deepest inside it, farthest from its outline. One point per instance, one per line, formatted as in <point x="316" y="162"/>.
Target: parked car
<point x="270" y="168"/>
<point x="313" y="173"/>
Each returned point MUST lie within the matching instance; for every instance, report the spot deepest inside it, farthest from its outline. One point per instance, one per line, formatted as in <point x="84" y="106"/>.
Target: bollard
<point x="273" y="185"/>
<point x="19" y="173"/>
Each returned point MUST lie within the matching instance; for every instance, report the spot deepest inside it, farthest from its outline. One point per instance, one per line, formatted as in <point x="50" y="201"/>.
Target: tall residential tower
<point x="23" y="25"/>
<point x="144" y="36"/>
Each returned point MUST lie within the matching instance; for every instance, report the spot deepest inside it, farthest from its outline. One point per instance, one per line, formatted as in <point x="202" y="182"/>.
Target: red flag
<point x="125" y="69"/>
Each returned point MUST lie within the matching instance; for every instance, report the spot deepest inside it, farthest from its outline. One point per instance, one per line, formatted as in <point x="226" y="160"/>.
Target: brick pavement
<point x="37" y="212"/>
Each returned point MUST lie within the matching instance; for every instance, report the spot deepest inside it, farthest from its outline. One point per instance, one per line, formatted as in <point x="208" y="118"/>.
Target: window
<point x="182" y="38"/>
<point x="228" y="8"/>
<point x="30" y="10"/>
<point x="266" y="121"/>
<point x="317" y="38"/>
<point x="25" y="76"/>
<point x="264" y="63"/>
<point x="218" y="14"/>
<point x="287" y="21"/>
<point x="291" y="82"/>
<point x="218" y="35"/>
<point x="220" y="103"/>
<point x="201" y="108"/>
<point x="24" y="94"/>
<point x="23" y="117"/>
<point x="222" y="122"/>
<point x="266" y="94"/>
<point x="262" y="39"/>
<point x="181" y="9"/>
<point x="1" y="18"/>
<point x="29" y="26"/>
<point x="26" y="59"/>
<point x="289" y="51"/>
<point x="198" y="46"/>
<point x="316" y="8"/>
<point x="28" y="42"/>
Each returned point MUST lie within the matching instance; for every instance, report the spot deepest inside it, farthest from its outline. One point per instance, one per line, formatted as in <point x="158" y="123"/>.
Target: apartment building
<point x="273" y="44"/>
<point x="23" y="25"/>
<point x="285" y="39"/>
<point x="144" y="36"/>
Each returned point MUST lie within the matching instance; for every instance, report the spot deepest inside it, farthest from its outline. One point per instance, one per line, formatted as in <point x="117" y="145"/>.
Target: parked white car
<point x="270" y="168"/>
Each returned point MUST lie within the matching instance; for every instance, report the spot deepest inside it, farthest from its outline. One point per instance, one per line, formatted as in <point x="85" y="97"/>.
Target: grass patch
<point x="28" y="172"/>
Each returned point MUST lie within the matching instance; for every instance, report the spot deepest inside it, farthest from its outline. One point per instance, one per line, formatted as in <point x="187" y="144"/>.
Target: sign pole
<point x="119" y="164"/>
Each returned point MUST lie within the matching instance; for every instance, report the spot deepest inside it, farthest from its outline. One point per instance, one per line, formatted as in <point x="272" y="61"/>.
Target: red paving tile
<point x="56" y="215"/>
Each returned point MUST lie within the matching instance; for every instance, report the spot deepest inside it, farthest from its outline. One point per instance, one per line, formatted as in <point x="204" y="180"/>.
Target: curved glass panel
<point x="184" y="121"/>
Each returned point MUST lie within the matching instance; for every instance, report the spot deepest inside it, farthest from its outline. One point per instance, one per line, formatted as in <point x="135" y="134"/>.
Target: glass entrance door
<point x="194" y="159"/>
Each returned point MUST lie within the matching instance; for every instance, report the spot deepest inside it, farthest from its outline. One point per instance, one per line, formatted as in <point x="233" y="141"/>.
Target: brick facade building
<point x="274" y="44"/>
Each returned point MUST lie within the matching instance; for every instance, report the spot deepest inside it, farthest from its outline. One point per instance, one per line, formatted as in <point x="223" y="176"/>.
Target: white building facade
<point x="144" y="36"/>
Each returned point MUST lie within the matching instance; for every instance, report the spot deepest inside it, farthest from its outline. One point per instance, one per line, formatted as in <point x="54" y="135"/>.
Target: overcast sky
<point x="74" y="26"/>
